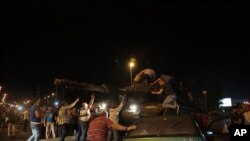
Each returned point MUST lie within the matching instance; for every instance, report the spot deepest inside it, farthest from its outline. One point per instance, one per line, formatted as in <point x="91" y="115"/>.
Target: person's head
<point x="113" y="105"/>
<point x="38" y="101"/>
<point x="103" y="114"/>
<point x="50" y="108"/>
<point x="64" y="103"/>
<point x="85" y="105"/>
<point x="74" y="110"/>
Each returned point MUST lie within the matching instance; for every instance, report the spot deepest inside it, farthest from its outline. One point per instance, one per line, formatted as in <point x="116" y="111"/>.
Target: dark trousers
<point x="64" y="131"/>
<point x="25" y="125"/>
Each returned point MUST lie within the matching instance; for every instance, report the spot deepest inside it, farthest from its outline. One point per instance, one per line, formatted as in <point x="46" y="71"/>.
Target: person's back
<point x="99" y="126"/>
<point x="64" y="119"/>
<point x="62" y="116"/>
<point x="114" y="111"/>
<point x="35" y="121"/>
<point x="98" y="129"/>
<point x="145" y="76"/>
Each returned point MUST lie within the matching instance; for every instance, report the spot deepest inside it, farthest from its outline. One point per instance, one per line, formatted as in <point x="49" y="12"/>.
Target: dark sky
<point x="204" y="44"/>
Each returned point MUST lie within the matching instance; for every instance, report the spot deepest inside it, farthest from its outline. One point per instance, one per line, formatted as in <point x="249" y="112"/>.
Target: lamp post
<point x="131" y="65"/>
<point x="205" y="99"/>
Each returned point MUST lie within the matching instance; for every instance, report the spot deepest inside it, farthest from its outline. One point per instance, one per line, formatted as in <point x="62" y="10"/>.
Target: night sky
<point x="203" y="44"/>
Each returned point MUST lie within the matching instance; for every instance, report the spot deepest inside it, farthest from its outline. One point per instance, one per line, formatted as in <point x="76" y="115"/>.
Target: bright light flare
<point x="225" y="102"/>
<point x="20" y="108"/>
<point x="103" y="106"/>
<point x="56" y="103"/>
<point x="133" y="108"/>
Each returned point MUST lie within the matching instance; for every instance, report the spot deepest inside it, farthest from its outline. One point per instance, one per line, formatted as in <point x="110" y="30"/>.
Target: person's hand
<point x="77" y="99"/>
<point x="131" y="127"/>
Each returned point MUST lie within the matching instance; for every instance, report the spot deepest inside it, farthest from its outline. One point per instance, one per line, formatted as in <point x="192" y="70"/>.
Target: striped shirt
<point x="98" y="129"/>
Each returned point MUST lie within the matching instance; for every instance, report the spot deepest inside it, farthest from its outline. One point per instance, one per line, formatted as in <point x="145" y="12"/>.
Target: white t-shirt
<point x="84" y="114"/>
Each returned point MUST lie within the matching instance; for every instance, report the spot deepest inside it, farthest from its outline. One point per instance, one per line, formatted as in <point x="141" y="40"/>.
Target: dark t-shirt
<point x="33" y="117"/>
<point x="167" y="89"/>
<point x="50" y="117"/>
<point x="13" y="118"/>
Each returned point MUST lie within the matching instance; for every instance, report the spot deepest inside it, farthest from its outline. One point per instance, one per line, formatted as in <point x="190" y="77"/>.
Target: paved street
<point x="20" y="135"/>
<point x="23" y="136"/>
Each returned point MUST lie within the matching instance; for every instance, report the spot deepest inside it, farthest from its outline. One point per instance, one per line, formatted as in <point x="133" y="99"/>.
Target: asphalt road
<point x="23" y="136"/>
<point x="20" y="135"/>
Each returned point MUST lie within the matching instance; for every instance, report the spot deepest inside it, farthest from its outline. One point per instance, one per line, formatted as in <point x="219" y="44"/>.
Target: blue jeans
<point x="35" y="128"/>
<point x="64" y="131"/>
<point x="81" y="133"/>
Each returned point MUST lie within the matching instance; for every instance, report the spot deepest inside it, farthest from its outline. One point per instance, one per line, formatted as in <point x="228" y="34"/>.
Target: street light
<point x="131" y="65"/>
<point x="205" y="99"/>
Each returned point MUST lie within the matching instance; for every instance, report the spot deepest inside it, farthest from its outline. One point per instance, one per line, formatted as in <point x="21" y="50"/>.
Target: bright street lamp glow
<point x="131" y="64"/>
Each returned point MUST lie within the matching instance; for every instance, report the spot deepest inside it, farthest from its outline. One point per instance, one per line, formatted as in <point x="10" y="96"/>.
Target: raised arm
<point x="161" y="83"/>
<point x="157" y="92"/>
<point x="91" y="102"/>
<point x="122" y="103"/>
<point x="72" y="104"/>
<point x="156" y="81"/>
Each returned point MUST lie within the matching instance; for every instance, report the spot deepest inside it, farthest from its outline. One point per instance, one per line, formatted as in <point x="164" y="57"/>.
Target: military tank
<point x="140" y="102"/>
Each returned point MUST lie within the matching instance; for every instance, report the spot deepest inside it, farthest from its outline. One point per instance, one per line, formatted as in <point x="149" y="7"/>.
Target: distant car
<point x="161" y="128"/>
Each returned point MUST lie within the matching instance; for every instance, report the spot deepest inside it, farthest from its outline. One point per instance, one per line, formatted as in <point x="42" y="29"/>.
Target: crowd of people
<point x="86" y="124"/>
<point x="240" y="114"/>
<point x="89" y="122"/>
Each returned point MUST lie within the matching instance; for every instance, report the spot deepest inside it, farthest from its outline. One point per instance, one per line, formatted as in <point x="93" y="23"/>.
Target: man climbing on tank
<point x="165" y="82"/>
